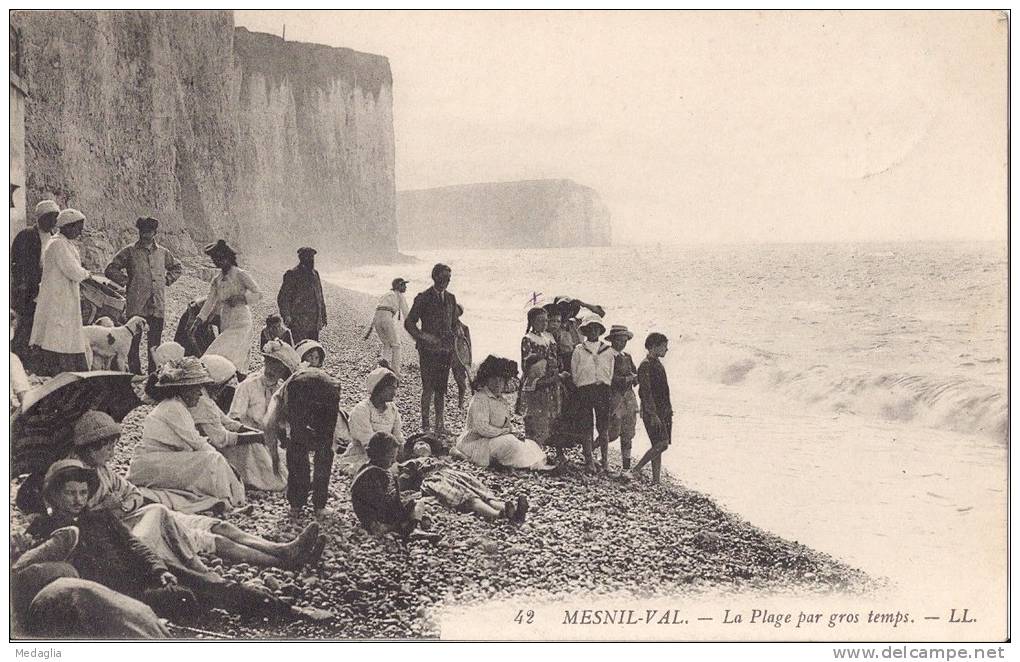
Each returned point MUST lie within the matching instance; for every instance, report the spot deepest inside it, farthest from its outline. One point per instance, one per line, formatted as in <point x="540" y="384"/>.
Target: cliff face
<point x="216" y="132"/>
<point x="130" y="114"/>
<point x="528" y="214"/>
<point x="316" y="147"/>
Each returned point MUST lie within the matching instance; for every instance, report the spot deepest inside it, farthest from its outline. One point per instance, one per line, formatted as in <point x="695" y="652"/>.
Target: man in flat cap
<point x="300" y="299"/>
<point x="146" y="268"/>
<point x="26" y="273"/>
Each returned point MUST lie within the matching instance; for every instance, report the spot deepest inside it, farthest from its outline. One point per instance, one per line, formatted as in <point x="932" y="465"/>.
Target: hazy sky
<point x="704" y="126"/>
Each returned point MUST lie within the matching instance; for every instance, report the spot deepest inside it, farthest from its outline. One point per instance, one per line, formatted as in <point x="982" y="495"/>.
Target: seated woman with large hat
<point x="172" y="454"/>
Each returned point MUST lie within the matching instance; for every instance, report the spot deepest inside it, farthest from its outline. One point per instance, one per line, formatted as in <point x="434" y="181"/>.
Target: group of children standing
<point x="578" y="389"/>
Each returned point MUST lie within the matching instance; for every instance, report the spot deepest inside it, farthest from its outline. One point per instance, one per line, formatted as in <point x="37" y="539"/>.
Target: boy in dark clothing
<point x="275" y="330"/>
<point x="656" y="408"/>
<point x="309" y="402"/>
<point x="107" y="553"/>
<point x="375" y="495"/>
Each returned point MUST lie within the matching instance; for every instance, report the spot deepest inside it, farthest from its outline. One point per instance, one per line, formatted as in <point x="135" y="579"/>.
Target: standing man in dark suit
<point x="300" y="299"/>
<point x="26" y="272"/>
<point x="437" y="310"/>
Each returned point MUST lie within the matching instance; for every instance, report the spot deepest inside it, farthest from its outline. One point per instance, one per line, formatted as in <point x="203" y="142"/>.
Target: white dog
<point x="108" y="345"/>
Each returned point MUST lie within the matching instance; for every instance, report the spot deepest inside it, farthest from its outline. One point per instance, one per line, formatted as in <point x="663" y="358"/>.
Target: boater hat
<point x="620" y="330"/>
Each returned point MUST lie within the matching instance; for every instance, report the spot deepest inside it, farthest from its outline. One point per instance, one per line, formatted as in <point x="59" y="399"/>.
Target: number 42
<point x="522" y="616"/>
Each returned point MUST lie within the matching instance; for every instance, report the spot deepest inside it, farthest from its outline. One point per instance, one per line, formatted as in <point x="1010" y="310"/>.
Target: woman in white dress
<point x="376" y="413"/>
<point x="230" y="294"/>
<point x="488" y="439"/>
<point x="57" y="328"/>
<point x="254" y="462"/>
<point x="172" y="455"/>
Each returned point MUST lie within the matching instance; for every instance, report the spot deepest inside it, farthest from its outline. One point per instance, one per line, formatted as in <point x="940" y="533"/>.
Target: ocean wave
<point x="958" y="404"/>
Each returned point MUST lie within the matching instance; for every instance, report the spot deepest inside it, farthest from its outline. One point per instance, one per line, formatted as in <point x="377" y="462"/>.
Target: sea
<point x="852" y="397"/>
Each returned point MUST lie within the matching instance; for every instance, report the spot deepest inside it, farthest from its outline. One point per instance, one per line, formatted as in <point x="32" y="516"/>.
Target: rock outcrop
<point x="543" y="213"/>
<point x="216" y="131"/>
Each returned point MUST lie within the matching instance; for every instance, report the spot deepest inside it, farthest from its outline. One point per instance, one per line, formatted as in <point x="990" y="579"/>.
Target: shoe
<point x="323" y="513"/>
<point x="509" y="511"/>
<point x="296" y="511"/>
<point x="522" y="509"/>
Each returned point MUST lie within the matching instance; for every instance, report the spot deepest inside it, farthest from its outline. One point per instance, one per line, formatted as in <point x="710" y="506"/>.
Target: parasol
<point x="41" y="429"/>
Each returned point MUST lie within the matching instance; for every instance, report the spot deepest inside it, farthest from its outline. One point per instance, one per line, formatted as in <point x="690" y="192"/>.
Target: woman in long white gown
<point x="488" y="439"/>
<point x="172" y="454"/>
<point x="231" y="292"/>
<point x="254" y="462"/>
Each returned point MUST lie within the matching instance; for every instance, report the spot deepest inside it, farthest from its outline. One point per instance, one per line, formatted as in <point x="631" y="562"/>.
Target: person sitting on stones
<point x="254" y="462"/>
<point x="172" y="454"/>
<point x="375" y="495"/>
<point x="457" y="490"/>
<point x="311" y="353"/>
<point x="107" y="553"/>
<point x="376" y="413"/>
<point x="488" y="439"/>
<point x="174" y="536"/>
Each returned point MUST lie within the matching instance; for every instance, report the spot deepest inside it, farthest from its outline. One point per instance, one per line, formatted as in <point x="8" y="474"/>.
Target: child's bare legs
<point x="653" y="455"/>
<point x="484" y="510"/>
<point x="604" y="446"/>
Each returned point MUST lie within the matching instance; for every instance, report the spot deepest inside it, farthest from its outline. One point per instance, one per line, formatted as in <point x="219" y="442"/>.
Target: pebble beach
<point x="584" y="536"/>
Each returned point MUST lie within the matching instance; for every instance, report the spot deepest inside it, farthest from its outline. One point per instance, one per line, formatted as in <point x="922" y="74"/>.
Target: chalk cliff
<point x="216" y="131"/>
<point x="315" y="146"/>
<point x="526" y="214"/>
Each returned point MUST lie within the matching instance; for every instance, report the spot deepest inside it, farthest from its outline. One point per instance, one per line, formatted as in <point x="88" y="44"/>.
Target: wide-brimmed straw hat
<point x="590" y="319"/>
<point x="93" y="427"/>
<point x="188" y="371"/>
<point x="282" y="352"/>
<point x="620" y="330"/>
